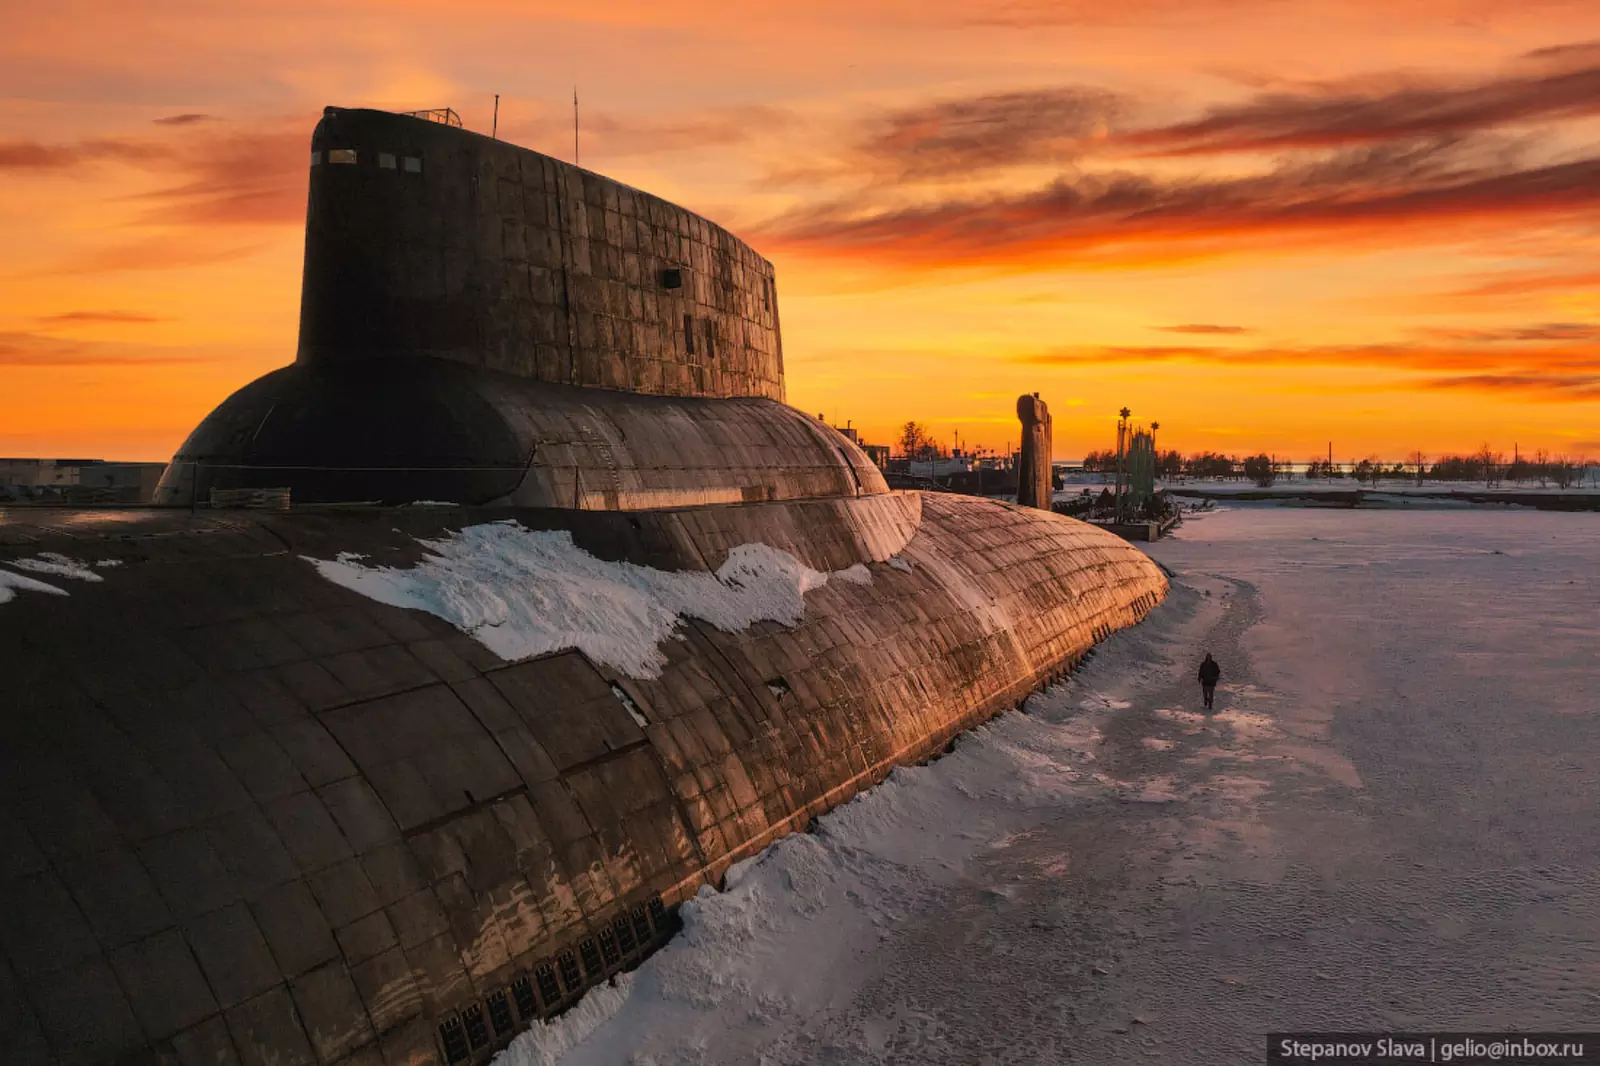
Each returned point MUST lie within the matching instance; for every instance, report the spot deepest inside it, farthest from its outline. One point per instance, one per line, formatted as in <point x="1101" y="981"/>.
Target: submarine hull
<point x="280" y="787"/>
<point x="250" y="811"/>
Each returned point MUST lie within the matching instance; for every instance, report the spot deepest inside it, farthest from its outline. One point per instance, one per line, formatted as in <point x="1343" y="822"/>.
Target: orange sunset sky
<point x="1266" y="223"/>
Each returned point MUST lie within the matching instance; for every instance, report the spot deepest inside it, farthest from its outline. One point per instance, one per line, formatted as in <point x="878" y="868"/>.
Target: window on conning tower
<point x="385" y="161"/>
<point x="341" y="155"/>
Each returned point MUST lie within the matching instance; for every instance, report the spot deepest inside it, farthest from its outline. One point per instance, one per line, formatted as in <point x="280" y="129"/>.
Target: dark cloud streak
<point x="1395" y="356"/>
<point x="1202" y="327"/>
<point x="95" y="318"/>
<point x="1549" y="331"/>
<point x="965" y="136"/>
<point x="19" y="349"/>
<point x="1134" y="215"/>
<point x="1582" y="388"/>
<point x="38" y="156"/>
<point x="1386" y="112"/>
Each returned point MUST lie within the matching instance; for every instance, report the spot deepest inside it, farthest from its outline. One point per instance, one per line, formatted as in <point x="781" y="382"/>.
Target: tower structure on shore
<point x="1034" y="481"/>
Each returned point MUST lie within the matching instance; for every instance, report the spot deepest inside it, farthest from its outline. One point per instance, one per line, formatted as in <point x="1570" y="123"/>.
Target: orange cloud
<point x="1202" y="327"/>
<point x="1355" y="200"/>
<point x="959" y="137"/>
<point x="253" y="176"/>
<point x="1549" y="331"/>
<point x="1382" y="112"/>
<point x="1521" y="284"/>
<point x="1043" y="14"/>
<point x="18" y="349"/>
<point x="1556" y="374"/>
<point x="98" y="318"/>
<point x="1544" y="387"/>
<point x="37" y="156"/>
<point x="168" y="251"/>
<point x="626" y="136"/>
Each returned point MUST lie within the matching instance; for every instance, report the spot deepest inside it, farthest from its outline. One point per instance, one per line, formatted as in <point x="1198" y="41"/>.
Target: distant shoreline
<point x="1402" y="496"/>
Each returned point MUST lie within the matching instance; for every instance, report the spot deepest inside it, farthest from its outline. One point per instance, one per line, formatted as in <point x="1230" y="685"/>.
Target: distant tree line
<point x="1490" y="467"/>
<point x="1485" y="465"/>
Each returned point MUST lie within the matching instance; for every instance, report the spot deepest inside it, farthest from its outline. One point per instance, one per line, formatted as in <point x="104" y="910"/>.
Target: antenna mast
<point x="575" y="125"/>
<point x="494" y="130"/>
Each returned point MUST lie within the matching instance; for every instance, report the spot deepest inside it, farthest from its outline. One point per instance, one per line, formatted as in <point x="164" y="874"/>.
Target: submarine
<point x="327" y="758"/>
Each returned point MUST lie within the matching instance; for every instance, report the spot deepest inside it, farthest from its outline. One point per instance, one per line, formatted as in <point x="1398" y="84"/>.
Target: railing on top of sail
<point x="445" y="115"/>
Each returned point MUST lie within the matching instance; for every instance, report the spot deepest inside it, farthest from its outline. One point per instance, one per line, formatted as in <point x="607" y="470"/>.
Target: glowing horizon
<point x="1266" y="226"/>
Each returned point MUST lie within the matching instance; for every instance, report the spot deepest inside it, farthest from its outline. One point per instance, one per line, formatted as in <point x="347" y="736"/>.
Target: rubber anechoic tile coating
<point x="248" y="816"/>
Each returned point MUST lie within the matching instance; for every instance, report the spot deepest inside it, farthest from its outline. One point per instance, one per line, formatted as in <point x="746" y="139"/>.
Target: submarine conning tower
<point x="483" y="324"/>
<point x="425" y="239"/>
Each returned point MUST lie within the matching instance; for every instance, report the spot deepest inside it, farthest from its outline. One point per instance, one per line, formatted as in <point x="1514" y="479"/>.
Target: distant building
<point x="878" y="453"/>
<point x="938" y="467"/>
<point x="78" y="481"/>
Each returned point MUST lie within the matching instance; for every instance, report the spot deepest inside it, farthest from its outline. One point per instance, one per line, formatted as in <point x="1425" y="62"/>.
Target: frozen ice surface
<point x="524" y="592"/>
<point x="1389" y="823"/>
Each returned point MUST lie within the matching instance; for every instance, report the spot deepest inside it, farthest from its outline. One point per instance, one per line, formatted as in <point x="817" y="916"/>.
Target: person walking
<point x="1210" y="674"/>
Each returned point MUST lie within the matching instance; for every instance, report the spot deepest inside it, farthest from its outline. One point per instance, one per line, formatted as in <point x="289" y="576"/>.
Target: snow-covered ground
<point x="1390" y="823"/>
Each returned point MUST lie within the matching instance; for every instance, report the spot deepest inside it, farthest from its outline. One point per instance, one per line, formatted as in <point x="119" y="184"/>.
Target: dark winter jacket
<point x="1210" y="672"/>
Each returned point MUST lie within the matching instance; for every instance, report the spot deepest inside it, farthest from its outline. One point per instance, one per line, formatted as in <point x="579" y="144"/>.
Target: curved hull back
<point x="425" y="429"/>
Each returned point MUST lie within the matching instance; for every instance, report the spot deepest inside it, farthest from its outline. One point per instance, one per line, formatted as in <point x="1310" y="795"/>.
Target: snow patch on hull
<point x="523" y="593"/>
